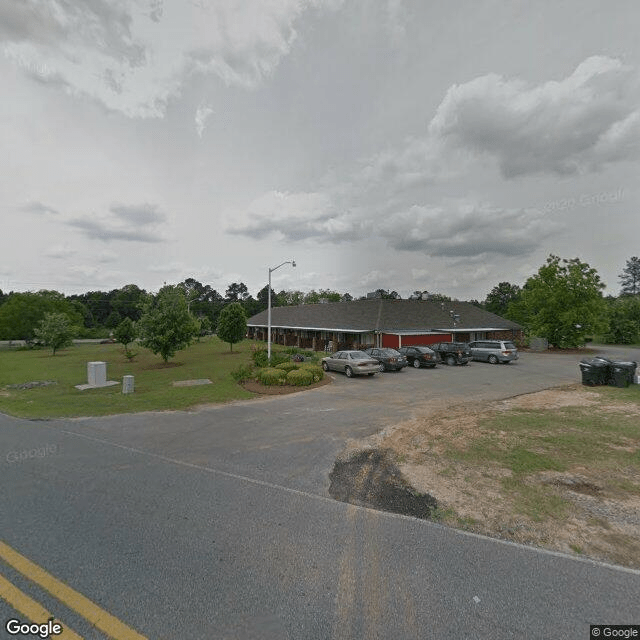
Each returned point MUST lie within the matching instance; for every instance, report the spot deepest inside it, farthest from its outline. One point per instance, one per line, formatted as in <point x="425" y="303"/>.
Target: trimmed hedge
<point x="288" y="366"/>
<point x="300" y="377"/>
<point x="272" y="376"/>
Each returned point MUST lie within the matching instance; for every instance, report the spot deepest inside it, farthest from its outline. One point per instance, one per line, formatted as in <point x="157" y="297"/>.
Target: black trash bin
<point x="623" y="373"/>
<point x="595" y="371"/>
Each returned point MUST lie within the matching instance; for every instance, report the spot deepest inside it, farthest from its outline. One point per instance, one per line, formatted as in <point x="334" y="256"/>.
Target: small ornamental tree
<point x="166" y="326"/>
<point x="125" y="333"/>
<point x="55" y="330"/>
<point x="232" y="324"/>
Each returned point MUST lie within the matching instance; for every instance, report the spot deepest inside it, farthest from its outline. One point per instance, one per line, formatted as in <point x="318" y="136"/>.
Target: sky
<point x="408" y="145"/>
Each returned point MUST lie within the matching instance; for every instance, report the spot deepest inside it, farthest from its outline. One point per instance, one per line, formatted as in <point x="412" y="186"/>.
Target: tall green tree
<point x="166" y="326"/>
<point x="21" y="313"/>
<point x="236" y="292"/>
<point x="563" y="302"/>
<point x="127" y="302"/>
<point x="624" y="320"/>
<point x="500" y="297"/>
<point x="630" y="277"/>
<point x="56" y="331"/>
<point x="314" y="297"/>
<point x="232" y="324"/>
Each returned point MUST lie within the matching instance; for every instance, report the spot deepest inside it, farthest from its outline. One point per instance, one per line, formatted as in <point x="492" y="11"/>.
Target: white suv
<point x="493" y="351"/>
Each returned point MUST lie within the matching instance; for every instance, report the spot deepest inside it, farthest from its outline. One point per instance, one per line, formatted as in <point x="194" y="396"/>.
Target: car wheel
<point x="382" y="369"/>
<point x="416" y="363"/>
<point x="450" y="360"/>
<point x="325" y="366"/>
<point x="348" y="372"/>
<point x="493" y="359"/>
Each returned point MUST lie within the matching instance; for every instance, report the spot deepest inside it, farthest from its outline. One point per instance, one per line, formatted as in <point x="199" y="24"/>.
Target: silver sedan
<point x="351" y="363"/>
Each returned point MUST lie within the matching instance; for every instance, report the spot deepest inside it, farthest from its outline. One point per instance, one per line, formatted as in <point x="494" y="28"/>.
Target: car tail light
<point x="506" y="353"/>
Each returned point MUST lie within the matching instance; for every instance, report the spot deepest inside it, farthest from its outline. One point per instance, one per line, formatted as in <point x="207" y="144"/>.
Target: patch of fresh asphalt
<point x="217" y="523"/>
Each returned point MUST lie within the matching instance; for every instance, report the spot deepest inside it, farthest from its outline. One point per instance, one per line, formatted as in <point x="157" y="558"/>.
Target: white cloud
<point x="299" y="216"/>
<point x="569" y="126"/>
<point x="59" y="252"/>
<point x="202" y="114"/>
<point x="134" y="57"/>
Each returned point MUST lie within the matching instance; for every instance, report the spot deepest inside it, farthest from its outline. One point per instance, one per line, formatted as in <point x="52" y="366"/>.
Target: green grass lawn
<point x="210" y="358"/>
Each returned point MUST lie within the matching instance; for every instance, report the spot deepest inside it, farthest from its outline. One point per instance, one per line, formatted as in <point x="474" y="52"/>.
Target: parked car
<point x="419" y="356"/>
<point x="493" y="351"/>
<point x="351" y="363"/>
<point x="389" y="359"/>
<point x="452" y="352"/>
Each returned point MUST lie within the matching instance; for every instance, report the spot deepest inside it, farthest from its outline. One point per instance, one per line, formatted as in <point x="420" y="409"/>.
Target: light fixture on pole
<point x="293" y="264"/>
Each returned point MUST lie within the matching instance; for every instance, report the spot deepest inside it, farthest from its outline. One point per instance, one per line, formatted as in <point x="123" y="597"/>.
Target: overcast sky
<point x="405" y="145"/>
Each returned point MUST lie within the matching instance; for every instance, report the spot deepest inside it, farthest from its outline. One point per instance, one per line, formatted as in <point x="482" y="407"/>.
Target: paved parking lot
<point x="414" y="390"/>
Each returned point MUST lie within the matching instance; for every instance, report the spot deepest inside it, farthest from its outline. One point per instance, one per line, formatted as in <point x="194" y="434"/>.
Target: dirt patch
<point x="279" y="390"/>
<point x="31" y="385"/>
<point x="164" y="365"/>
<point x="551" y="399"/>
<point x="579" y="510"/>
<point x="371" y="479"/>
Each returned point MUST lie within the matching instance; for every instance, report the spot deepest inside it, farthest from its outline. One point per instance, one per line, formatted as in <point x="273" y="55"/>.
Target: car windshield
<point x="359" y="355"/>
<point x="388" y="352"/>
<point x="423" y="349"/>
<point x="509" y="345"/>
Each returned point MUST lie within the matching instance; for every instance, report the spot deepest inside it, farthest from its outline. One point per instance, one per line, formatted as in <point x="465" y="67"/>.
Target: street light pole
<point x="293" y="264"/>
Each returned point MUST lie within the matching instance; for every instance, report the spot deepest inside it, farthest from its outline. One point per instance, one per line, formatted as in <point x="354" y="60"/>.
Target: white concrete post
<point x="127" y="384"/>
<point x="97" y="373"/>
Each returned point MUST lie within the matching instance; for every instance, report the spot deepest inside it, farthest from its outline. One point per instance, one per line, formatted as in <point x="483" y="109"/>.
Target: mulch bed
<point x="279" y="390"/>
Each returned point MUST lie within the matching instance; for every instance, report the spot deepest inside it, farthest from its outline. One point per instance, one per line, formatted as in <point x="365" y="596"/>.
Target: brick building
<point x="387" y="323"/>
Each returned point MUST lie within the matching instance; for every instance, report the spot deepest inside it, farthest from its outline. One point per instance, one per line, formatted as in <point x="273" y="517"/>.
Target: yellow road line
<point x="35" y="612"/>
<point x="102" y="620"/>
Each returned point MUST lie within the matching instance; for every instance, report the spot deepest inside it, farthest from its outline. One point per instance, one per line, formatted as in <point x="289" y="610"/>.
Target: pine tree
<point x="630" y="277"/>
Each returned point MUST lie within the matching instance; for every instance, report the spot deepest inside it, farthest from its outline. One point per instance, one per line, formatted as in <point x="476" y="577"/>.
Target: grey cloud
<point x="99" y="24"/>
<point x="141" y="214"/>
<point x="468" y="233"/>
<point x="128" y="222"/>
<point x="101" y="231"/>
<point x="300" y="216"/>
<point x="326" y="228"/>
<point x="38" y="208"/>
<point x="562" y="127"/>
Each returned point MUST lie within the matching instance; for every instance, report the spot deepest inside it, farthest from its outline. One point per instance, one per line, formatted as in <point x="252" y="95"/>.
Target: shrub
<point x="271" y="376"/>
<point x="288" y="366"/>
<point x="300" y="377"/>
<point x="242" y="373"/>
<point x="278" y="357"/>
<point x="315" y="370"/>
<point x="259" y="356"/>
